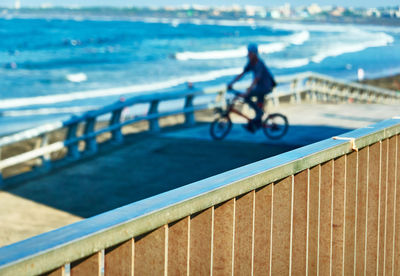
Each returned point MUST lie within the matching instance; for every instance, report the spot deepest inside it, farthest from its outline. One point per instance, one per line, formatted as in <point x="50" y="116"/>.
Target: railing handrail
<point x="90" y="117"/>
<point x="53" y="249"/>
<point x="37" y="131"/>
<point x="307" y="82"/>
<point x="353" y="84"/>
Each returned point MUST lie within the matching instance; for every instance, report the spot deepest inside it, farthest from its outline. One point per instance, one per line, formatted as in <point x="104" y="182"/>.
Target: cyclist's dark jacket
<point x="266" y="81"/>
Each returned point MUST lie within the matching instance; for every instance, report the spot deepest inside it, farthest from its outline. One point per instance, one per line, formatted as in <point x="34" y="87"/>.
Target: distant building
<point x="286" y="10"/>
<point x="338" y="11"/>
<point x="275" y="14"/>
<point x="17" y="4"/>
<point x="314" y="9"/>
<point x="252" y="11"/>
<point x="236" y="8"/>
<point x="373" y="12"/>
<point x="200" y="7"/>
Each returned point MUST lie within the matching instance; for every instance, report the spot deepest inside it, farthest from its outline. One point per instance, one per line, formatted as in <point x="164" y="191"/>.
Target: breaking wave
<point x="295" y="39"/>
<point x="82" y="95"/>
<point x="340" y="48"/>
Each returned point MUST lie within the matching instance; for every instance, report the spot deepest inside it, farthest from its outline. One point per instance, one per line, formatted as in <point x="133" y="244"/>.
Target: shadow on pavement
<point x="147" y="165"/>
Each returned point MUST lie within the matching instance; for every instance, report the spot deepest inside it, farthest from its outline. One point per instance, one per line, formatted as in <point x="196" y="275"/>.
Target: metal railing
<point x="80" y="133"/>
<point x="86" y="128"/>
<point x="315" y="87"/>
<point x="336" y="90"/>
<point x="330" y="208"/>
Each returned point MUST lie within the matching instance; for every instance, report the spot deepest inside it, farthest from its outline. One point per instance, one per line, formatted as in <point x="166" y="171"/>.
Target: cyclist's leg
<point x="260" y="105"/>
<point x="252" y="104"/>
<point x="256" y="105"/>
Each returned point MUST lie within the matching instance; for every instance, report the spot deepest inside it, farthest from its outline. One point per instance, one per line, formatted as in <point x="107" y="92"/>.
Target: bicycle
<point x="274" y="125"/>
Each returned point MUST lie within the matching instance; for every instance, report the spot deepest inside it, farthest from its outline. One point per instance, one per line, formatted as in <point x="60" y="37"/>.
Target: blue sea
<point x="53" y="67"/>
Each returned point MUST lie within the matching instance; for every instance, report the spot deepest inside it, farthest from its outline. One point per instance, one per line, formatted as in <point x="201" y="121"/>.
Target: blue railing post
<point x="73" y="150"/>
<point x="154" y="125"/>
<point x="275" y="98"/>
<point x="296" y="90"/>
<point x="189" y="115"/>
<point x="1" y="175"/>
<point x="310" y="90"/>
<point x="91" y="143"/>
<point x="115" y="120"/>
<point x="46" y="160"/>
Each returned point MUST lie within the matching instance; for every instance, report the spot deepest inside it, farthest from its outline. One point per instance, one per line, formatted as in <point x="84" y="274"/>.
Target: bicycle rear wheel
<point x="220" y="127"/>
<point x="275" y="126"/>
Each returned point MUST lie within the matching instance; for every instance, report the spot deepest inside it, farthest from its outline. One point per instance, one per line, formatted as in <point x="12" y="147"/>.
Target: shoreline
<point x="134" y="14"/>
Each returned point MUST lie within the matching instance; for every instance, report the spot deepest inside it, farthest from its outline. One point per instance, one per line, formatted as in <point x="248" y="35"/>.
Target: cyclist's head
<point x="252" y="48"/>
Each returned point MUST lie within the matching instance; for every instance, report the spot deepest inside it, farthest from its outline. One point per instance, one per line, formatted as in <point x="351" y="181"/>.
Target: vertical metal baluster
<point x="189" y="115"/>
<point x="116" y="120"/>
<point x="46" y="161"/>
<point x="154" y="125"/>
<point x="1" y="174"/>
<point x="91" y="143"/>
<point x="73" y="150"/>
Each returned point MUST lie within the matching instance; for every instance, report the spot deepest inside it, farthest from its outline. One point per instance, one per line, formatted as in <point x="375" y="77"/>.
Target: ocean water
<point x="51" y="68"/>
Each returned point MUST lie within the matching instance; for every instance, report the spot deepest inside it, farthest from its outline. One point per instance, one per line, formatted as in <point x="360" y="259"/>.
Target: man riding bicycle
<point x="262" y="84"/>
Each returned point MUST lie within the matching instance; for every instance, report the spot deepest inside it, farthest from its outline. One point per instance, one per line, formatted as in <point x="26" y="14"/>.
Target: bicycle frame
<point x="231" y="108"/>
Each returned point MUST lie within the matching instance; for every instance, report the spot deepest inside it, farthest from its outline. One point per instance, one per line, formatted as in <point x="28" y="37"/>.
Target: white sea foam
<point x="299" y="38"/>
<point x="388" y="29"/>
<point x="79" y="77"/>
<point x="271" y="48"/>
<point x="175" y="23"/>
<point x="218" y="54"/>
<point x="196" y="21"/>
<point x="340" y="39"/>
<point x="233" y="53"/>
<point x="326" y="28"/>
<point x="82" y="95"/>
<point x="289" y="63"/>
<point x="227" y="23"/>
<point x="356" y="44"/>
<point x="295" y="39"/>
<point x="333" y="28"/>
<point x="46" y="111"/>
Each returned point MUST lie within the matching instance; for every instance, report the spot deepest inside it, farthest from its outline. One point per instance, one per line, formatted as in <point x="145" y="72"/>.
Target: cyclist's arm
<point x="238" y="77"/>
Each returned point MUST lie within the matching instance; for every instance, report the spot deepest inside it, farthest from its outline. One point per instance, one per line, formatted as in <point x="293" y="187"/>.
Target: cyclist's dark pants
<point x="260" y="94"/>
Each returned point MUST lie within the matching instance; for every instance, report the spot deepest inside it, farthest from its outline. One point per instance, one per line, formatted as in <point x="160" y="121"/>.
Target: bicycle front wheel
<point x="275" y="126"/>
<point x="220" y="127"/>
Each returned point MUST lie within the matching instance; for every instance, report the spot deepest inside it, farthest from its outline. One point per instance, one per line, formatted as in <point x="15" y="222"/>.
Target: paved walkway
<point x="150" y="164"/>
<point x="309" y="123"/>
